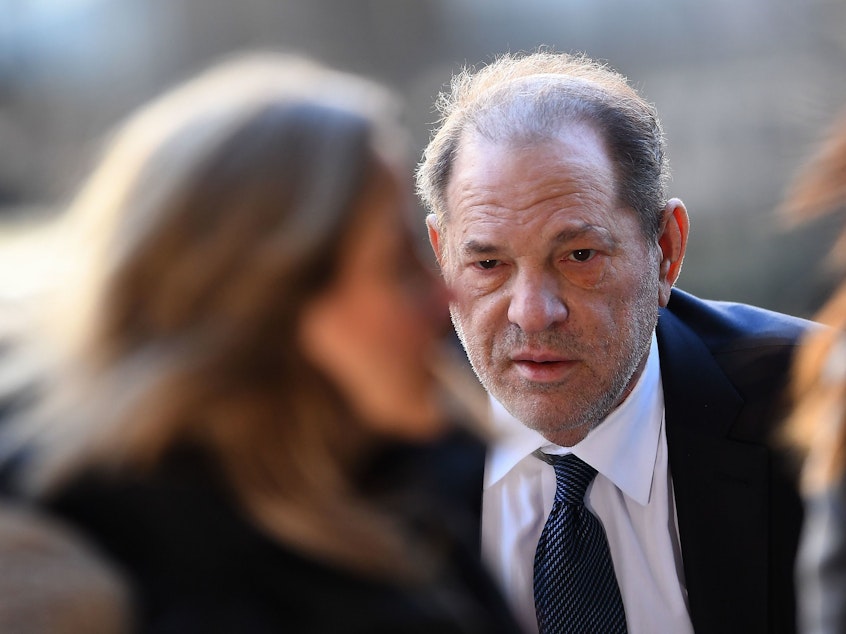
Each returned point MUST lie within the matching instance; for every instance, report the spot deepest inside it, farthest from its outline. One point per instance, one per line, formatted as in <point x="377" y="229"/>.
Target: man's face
<point x="556" y="290"/>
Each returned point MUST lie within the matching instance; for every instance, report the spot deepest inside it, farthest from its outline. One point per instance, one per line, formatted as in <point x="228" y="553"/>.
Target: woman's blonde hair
<point x="817" y="425"/>
<point x="216" y="212"/>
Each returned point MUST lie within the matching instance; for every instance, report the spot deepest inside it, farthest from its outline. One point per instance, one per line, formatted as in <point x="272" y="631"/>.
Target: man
<point x="549" y="219"/>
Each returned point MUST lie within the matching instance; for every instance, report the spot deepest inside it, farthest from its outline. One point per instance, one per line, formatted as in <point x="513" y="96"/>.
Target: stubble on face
<point x="564" y="412"/>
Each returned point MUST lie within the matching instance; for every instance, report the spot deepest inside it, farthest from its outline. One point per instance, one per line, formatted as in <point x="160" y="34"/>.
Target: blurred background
<point x="745" y="89"/>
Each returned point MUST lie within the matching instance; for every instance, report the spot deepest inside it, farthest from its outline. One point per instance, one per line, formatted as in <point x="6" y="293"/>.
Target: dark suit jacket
<point x="724" y="368"/>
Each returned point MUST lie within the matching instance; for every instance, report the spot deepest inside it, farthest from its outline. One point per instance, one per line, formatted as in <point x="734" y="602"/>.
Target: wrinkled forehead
<point x="520" y="172"/>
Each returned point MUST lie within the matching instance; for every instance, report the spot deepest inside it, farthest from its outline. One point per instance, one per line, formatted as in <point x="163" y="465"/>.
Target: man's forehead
<point x="504" y="181"/>
<point x="577" y="145"/>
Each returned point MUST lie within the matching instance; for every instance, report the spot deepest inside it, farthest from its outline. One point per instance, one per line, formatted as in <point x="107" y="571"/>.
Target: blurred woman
<point x="243" y="403"/>
<point x="818" y="423"/>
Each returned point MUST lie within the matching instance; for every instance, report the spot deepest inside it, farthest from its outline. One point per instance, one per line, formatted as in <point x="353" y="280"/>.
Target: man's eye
<point x="487" y="264"/>
<point x="582" y="255"/>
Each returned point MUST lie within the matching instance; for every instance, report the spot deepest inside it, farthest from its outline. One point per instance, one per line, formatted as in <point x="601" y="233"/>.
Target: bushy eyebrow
<point x="476" y="248"/>
<point x="582" y="230"/>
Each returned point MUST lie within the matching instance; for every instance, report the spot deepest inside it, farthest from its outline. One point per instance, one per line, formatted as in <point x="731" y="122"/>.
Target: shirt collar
<point x="623" y="448"/>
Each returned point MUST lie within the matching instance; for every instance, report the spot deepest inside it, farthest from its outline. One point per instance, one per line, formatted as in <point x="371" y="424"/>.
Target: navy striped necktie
<point x="575" y="586"/>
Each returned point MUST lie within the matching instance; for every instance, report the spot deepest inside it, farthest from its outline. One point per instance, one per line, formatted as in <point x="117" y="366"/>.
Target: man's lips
<point x="538" y="357"/>
<point x="542" y="367"/>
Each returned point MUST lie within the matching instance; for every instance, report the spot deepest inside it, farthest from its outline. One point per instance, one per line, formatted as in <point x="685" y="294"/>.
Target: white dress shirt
<point x="632" y="495"/>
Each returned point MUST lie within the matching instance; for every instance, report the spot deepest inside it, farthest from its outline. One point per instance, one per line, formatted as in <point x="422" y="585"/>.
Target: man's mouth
<point x="542" y="367"/>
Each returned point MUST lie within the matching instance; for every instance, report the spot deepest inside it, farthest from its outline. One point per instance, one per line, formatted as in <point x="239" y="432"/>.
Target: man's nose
<point x="536" y="303"/>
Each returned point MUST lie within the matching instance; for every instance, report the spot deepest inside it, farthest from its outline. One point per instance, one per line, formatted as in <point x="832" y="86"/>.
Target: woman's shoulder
<point x="197" y="564"/>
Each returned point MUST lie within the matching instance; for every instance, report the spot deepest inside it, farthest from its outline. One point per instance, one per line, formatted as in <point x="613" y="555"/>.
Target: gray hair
<point x="529" y="98"/>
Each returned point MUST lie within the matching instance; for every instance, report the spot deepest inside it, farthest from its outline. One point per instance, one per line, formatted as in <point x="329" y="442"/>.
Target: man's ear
<point x="672" y="241"/>
<point x="435" y="238"/>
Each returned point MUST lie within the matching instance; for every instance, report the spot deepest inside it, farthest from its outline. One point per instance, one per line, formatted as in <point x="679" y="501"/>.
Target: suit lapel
<point x="720" y="487"/>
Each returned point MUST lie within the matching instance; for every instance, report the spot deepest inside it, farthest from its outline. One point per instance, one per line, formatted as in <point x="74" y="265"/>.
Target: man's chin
<point x="552" y="418"/>
<point x="542" y="416"/>
<point x="565" y="436"/>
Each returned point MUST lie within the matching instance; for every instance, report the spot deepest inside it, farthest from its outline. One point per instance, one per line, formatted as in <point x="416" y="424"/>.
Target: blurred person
<point x="546" y="183"/>
<point x="53" y="582"/>
<point x="240" y="399"/>
<point x="816" y="426"/>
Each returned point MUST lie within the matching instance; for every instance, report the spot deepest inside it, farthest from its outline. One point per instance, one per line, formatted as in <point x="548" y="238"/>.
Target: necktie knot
<point x="572" y="476"/>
